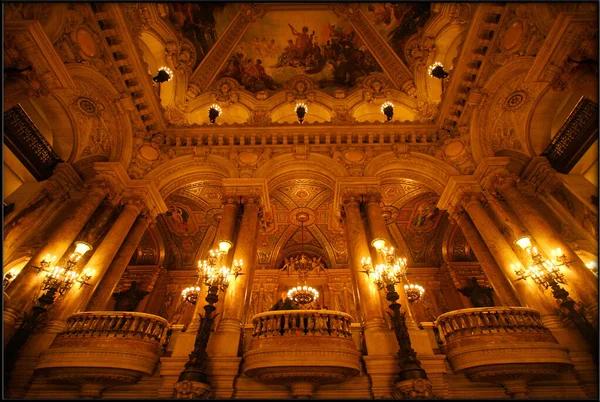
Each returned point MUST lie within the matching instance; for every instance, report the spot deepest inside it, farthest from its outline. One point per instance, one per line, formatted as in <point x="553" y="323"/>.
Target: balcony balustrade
<point x="302" y="348"/>
<point x="503" y="345"/>
<point x="101" y="349"/>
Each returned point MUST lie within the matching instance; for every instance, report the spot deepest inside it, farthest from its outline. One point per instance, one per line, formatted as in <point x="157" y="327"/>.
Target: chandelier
<point x="391" y="272"/>
<point x="60" y="280"/>
<point x="213" y="272"/>
<point x="303" y="295"/>
<point x="544" y="273"/>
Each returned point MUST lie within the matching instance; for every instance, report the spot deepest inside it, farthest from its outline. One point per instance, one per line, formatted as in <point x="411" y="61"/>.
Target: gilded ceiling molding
<point x="506" y="94"/>
<point x="470" y="60"/>
<point x="214" y="60"/>
<point x="96" y="106"/>
<point x="27" y="45"/>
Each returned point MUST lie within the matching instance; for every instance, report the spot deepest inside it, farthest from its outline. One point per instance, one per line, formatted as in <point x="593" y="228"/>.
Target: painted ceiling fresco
<point x="397" y="22"/>
<point x="284" y="44"/>
<point x="417" y="222"/>
<point x="201" y="23"/>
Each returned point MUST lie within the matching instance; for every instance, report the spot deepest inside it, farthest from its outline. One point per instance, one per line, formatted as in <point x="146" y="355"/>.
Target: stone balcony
<point x="97" y="350"/>
<point x="503" y="345"/>
<point x="302" y="348"/>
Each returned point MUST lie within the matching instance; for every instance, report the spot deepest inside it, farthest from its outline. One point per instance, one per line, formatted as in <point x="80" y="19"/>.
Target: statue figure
<point x="129" y="299"/>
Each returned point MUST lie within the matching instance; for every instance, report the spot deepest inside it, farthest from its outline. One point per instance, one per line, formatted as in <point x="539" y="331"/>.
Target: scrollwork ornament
<point x="191" y="390"/>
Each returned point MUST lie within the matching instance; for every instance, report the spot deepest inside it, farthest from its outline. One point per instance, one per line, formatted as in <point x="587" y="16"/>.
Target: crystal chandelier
<point x="213" y="272"/>
<point x="302" y="295"/>
<point x="391" y="272"/>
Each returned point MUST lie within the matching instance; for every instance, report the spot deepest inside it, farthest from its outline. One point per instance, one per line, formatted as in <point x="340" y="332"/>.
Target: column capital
<point x="541" y="175"/>
<point x="64" y="179"/>
<point x="246" y="189"/>
<point x="353" y="189"/>
<point x="456" y="190"/>
<point x="494" y="172"/>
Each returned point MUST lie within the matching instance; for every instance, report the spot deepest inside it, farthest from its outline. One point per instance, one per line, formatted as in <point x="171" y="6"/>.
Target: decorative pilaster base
<point x="414" y="389"/>
<point x="191" y="390"/>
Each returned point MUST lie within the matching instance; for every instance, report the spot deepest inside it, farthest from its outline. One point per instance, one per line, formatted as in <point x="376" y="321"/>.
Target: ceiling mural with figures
<point x="285" y="44"/>
<point x="397" y="22"/>
<point x="201" y="23"/>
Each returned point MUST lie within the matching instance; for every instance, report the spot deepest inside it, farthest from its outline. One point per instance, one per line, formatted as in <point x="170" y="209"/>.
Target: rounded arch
<point x="50" y="115"/>
<point x="188" y="169"/>
<point x="117" y="121"/>
<point x="426" y="169"/>
<point x="546" y="118"/>
<point x="481" y="144"/>
<point x="314" y="163"/>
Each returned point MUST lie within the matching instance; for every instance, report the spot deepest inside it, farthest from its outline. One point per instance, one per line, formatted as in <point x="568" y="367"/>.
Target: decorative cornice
<point x="348" y="187"/>
<point x="249" y="188"/>
<point x="33" y="44"/>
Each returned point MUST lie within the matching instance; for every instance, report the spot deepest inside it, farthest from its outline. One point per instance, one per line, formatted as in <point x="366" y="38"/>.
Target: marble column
<point x="502" y="286"/>
<point x="225" y="231"/>
<point x="50" y="197"/>
<point x="504" y="255"/>
<point x="580" y="278"/>
<point x="379" y="339"/>
<point x="109" y="282"/>
<point x="77" y="298"/>
<point x="235" y="298"/>
<point x="65" y="232"/>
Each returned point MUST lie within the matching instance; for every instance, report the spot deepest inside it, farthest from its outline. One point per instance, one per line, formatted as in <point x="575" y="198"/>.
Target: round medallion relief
<point x="512" y="35"/>
<point x="515" y="100"/>
<point x="354" y="156"/>
<point x="454" y="148"/>
<point x="249" y="158"/>
<point x="148" y="152"/>
<point x="86" y="43"/>
<point x="87" y="105"/>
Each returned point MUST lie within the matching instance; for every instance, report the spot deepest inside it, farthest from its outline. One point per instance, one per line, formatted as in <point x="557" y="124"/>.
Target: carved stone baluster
<point x="286" y="325"/>
<point x="294" y="323"/>
<point x="311" y="324"/>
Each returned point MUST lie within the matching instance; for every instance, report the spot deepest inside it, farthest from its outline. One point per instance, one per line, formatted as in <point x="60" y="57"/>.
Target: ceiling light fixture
<point x="437" y="70"/>
<point x="388" y="109"/>
<point x="302" y="295"/>
<point x="213" y="112"/>
<point x="164" y="75"/>
<point x="301" y="111"/>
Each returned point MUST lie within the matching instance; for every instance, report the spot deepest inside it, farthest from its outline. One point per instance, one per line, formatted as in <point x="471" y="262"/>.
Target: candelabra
<point x="58" y="280"/>
<point x="388" y="110"/>
<point x="164" y="75"/>
<point x="214" y="111"/>
<point x="303" y="295"/>
<point x="386" y="276"/>
<point x="546" y="274"/>
<point x="216" y="276"/>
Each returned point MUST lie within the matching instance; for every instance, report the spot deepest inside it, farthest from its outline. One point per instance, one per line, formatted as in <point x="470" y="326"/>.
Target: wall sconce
<point x="213" y="112"/>
<point x="437" y="70"/>
<point x="301" y="110"/>
<point x="164" y="75"/>
<point x="10" y="276"/>
<point x="413" y="292"/>
<point x="57" y="280"/>
<point x="591" y="265"/>
<point x="388" y="109"/>
<point x="546" y="274"/>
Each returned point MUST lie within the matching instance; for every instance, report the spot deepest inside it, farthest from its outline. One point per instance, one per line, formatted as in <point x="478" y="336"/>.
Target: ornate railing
<point x="100" y="349"/>
<point x="117" y="325"/>
<point x="301" y="348"/>
<point x="302" y="323"/>
<point x="29" y="145"/>
<point x="575" y="137"/>
<point x="476" y="321"/>
<point x="501" y="344"/>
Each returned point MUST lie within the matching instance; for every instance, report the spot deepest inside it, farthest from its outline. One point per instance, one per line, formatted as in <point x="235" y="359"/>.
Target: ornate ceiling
<point x="84" y="72"/>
